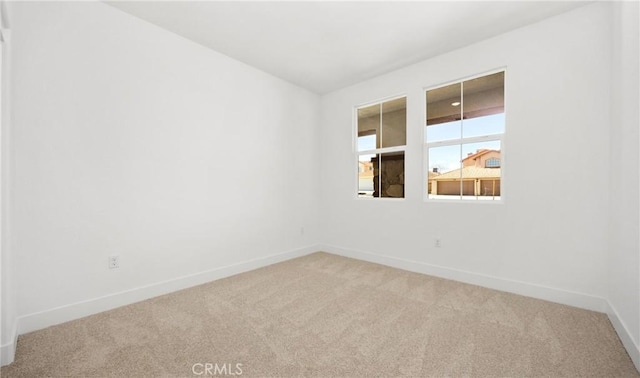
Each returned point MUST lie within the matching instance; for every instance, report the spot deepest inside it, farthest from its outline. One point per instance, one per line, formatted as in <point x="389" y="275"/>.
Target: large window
<point x="381" y="142"/>
<point x="463" y="139"/>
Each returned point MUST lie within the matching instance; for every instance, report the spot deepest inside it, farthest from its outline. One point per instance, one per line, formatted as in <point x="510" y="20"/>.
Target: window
<point x="492" y="163"/>
<point x="464" y="131"/>
<point x="381" y="142"/>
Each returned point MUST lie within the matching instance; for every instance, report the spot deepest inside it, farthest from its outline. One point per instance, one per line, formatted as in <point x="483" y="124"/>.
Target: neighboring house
<point x="483" y="158"/>
<point x="480" y="175"/>
<point x="365" y="178"/>
<point x="365" y="169"/>
<point x="432" y="175"/>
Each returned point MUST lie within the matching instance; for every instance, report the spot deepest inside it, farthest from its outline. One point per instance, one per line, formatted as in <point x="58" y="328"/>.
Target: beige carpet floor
<point x="323" y="315"/>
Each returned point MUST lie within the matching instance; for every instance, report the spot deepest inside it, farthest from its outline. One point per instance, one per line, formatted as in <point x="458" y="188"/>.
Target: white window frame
<point x="461" y="141"/>
<point x="376" y="151"/>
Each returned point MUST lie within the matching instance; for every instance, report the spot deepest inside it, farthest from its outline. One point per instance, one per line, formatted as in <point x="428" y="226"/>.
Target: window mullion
<point x="461" y="136"/>
<point x="379" y="154"/>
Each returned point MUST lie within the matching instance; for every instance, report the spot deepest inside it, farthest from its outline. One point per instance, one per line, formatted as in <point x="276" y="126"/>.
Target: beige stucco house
<point x="480" y="175"/>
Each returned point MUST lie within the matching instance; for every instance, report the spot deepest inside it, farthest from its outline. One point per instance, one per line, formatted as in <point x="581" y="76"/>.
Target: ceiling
<point x="324" y="46"/>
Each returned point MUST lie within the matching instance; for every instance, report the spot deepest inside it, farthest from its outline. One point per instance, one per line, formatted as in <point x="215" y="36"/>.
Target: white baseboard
<point x="632" y="348"/>
<point x="550" y="294"/>
<point x="62" y="314"/>
<point x="8" y="350"/>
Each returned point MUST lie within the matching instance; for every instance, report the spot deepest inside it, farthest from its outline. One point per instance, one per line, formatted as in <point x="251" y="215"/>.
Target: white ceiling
<point x="324" y="46"/>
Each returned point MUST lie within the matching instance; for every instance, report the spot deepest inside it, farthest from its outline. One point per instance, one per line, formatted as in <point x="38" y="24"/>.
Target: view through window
<point x="382" y="138"/>
<point x="463" y="139"/>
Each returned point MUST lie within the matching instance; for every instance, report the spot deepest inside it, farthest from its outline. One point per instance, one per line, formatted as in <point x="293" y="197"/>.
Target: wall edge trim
<point x="621" y="329"/>
<point x="8" y="350"/>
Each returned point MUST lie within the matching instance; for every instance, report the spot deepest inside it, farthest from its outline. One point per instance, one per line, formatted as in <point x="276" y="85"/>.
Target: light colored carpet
<point x="323" y="315"/>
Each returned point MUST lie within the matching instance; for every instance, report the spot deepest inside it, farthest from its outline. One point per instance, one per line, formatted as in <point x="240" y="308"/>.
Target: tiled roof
<point x="479" y="153"/>
<point x="470" y="173"/>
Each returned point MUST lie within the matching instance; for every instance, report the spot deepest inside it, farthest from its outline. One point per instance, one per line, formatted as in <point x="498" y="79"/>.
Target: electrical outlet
<point x="114" y="262"/>
<point x="437" y="242"/>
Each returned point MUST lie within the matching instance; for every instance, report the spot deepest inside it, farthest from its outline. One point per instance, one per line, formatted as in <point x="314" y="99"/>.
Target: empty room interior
<point x="322" y="189"/>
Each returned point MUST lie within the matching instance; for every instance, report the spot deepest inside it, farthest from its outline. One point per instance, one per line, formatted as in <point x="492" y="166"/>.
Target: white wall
<point x="624" y="246"/>
<point x="130" y="140"/>
<point x="7" y="289"/>
<point x="549" y="237"/>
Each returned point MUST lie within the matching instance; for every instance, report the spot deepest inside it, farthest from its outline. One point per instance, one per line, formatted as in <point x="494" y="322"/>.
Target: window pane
<point x="394" y="123"/>
<point x="367" y="174"/>
<point x="481" y="170"/>
<point x="367" y="142"/>
<point x="369" y="128"/>
<point x="444" y="111"/>
<point x="444" y="172"/>
<point x="487" y="125"/>
<point x="391" y="175"/>
<point x="483" y="106"/>
<point x="443" y="131"/>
